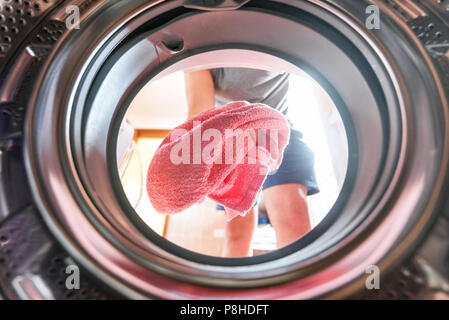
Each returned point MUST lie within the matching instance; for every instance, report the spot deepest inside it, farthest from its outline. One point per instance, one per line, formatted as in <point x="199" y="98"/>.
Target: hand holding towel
<point x="224" y="153"/>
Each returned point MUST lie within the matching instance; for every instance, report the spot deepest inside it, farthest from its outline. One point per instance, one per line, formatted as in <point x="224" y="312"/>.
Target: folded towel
<point x="224" y="153"/>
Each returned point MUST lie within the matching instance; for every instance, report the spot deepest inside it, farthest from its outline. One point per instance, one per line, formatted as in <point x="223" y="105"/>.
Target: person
<point x="285" y="191"/>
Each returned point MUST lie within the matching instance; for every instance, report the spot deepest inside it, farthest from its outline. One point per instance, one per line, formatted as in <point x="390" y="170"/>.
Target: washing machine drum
<point x="69" y="70"/>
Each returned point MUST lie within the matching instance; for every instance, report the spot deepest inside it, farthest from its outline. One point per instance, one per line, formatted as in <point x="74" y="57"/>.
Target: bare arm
<point x="200" y="91"/>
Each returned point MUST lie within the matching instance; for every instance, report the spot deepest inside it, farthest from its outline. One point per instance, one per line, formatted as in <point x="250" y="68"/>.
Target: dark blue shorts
<point x="297" y="167"/>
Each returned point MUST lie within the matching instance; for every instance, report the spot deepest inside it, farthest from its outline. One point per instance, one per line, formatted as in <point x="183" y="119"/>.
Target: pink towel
<point x="224" y="153"/>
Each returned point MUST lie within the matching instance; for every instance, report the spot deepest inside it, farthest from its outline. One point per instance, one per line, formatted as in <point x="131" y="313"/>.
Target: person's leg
<point x="288" y="212"/>
<point x="238" y="235"/>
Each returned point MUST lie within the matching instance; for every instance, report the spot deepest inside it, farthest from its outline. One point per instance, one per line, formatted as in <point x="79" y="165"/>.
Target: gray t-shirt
<point x="252" y="85"/>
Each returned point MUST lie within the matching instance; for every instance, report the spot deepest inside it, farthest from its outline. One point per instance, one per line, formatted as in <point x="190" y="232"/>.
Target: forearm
<point x="200" y="91"/>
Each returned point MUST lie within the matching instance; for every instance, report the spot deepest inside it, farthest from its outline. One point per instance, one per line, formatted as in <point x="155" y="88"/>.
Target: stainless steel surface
<point x="16" y="18"/>
<point x="400" y="150"/>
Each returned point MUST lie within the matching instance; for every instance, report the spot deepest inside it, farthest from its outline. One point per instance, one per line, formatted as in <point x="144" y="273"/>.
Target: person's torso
<point x="252" y="85"/>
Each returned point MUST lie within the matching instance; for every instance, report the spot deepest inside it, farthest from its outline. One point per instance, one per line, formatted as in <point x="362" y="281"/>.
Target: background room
<point x="161" y="105"/>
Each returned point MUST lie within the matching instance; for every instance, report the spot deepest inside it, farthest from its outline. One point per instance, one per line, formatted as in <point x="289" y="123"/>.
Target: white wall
<point x="161" y="104"/>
